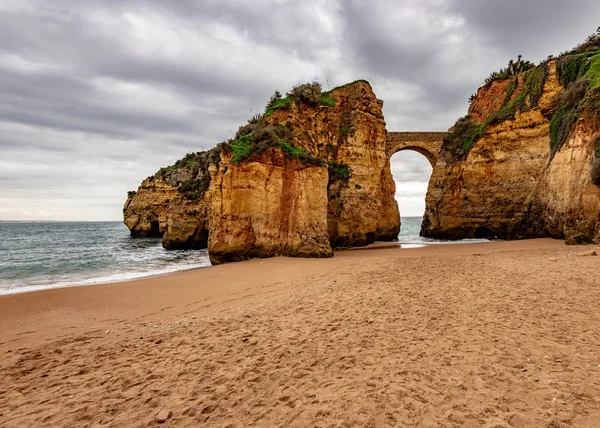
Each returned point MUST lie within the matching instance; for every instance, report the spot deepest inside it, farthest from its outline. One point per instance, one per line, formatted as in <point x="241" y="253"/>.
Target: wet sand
<point x="497" y="335"/>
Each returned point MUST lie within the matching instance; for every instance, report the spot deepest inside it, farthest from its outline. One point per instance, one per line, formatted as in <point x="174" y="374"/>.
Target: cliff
<point x="308" y="175"/>
<point x="351" y="131"/>
<point x="269" y="206"/>
<point x="173" y="203"/>
<point x="520" y="165"/>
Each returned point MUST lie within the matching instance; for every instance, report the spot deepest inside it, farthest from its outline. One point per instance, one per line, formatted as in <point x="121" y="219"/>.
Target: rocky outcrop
<point x="303" y="178"/>
<point x="270" y="206"/>
<point x="157" y="209"/>
<point x="512" y="183"/>
<point x="361" y="206"/>
<point x="173" y="203"/>
<point x="566" y="203"/>
<point x="146" y="210"/>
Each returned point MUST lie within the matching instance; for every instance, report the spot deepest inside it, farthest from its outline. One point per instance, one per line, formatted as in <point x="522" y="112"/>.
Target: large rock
<point x="270" y="206"/>
<point x="146" y="210"/>
<point x="271" y="203"/>
<point x="362" y="208"/>
<point x="511" y="185"/>
<point x="157" y="209"/>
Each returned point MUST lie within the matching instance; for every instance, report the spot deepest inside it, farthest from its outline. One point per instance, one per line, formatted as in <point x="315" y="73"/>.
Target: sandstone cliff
<point x="173" y="203"/>
<point x="351" y="132"/>
<point x="269" y="206"/>
<point x="520" y="165"/>
<point x="308" y="175"/>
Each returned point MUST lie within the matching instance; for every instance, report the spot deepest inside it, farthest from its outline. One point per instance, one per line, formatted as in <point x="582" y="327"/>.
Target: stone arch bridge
<point x="429" y="144"/>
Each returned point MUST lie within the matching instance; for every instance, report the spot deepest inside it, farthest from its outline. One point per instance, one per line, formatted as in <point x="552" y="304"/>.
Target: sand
<point x="481" y="335"/>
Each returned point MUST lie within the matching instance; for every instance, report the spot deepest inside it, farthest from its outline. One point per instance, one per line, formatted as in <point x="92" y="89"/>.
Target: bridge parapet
<point x="429" y="144"/>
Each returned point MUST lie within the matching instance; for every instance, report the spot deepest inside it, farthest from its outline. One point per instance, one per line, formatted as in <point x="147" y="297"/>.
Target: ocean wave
<point x="105" y="279"/>
<point x="416" y="239"/>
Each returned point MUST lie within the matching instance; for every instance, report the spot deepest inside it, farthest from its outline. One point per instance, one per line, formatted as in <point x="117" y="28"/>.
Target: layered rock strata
<point x="330" y="185"/>
<point x="512" y="184"/>
<point x="362" y="207"/>
<point x="269" y="206"/>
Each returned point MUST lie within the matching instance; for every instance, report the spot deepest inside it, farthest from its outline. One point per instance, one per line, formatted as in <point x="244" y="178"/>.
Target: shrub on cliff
<point x="190" y="174"/>
<point x="263" y="137"/>
<point x="533" y="86"/>
<point x="306" y="93"/>
<point x="465" y="134"/>
<point x="309" y="93"/>
<point x="274" y="98"/>
<point x="572" y="68"/>
<point x="255" y="139"/>
<point x="580" y="98"/>
<point x="277" y="104"/>
<point x="338" y="171"/>
<point x="190" y="165"/>
<point x="512" y="69"/>
<point x="194" y="189"/>
<point x="292" y="151"/>
<point x="591" y="44"/>
<point x="560" y="127"/>
<point x="572" y="95"/>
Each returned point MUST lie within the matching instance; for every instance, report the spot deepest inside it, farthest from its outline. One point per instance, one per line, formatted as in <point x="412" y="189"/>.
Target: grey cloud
<point x="535" y="29"/>
<point x="95" y="96"/>
<point x="409" y="166"/>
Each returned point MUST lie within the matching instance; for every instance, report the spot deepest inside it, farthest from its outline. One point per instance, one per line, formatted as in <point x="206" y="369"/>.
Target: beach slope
<point x="496" y="335"/>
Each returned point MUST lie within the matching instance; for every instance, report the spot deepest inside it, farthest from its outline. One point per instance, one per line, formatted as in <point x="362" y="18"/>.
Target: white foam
<point x="416" y="239"/>
<point x="117" y="277"/>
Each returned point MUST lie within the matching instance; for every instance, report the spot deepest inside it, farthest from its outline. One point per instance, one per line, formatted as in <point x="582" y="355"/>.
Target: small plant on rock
<point x="309" y="93"/>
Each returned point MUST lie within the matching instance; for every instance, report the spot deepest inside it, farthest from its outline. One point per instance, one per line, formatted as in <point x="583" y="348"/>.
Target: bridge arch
<point x="429" y="144"/>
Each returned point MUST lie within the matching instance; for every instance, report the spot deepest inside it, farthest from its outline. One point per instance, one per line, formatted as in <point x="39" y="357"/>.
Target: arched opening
<point x="411" y="170"/>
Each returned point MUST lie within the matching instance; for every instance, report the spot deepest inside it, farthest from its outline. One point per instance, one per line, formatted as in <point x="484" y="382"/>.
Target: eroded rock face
<point x="510" y="185"/>
<point x="268" y="206"/>
<point x="187" y="224"/>
<point x="146" y="211"/>
<point x="362" y="208"/>
<point x="566" y="204"/>
<point x="274" y="203"/>
<point x="157" y="208"/>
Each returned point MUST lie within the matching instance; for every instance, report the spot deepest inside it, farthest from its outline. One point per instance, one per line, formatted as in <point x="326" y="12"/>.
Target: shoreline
<point x="375" y="246"/>
<point x="485" y="334"/>
<point x="108" y="297"/>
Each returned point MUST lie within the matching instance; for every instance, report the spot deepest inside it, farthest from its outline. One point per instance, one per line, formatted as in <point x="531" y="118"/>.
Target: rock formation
<point x="520" y="165"/>
<point x="313" y="172"/>
<point x="308" y="175"/>
<point x="362" y="207"/>
<point x="268" y="206"/>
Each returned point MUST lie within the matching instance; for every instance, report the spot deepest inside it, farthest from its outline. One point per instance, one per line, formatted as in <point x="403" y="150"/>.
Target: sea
<point x="41" y="255"/>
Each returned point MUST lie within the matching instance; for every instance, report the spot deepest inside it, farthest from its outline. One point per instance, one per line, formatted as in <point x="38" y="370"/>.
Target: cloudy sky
<point x="97" y="95"/>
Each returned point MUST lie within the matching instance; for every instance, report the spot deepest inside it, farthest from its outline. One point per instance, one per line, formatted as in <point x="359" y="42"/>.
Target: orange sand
<point x="482" y="335"/>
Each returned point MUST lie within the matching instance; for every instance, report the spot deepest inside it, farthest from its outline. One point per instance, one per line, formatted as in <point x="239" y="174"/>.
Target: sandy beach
<point x="482" y="335"/>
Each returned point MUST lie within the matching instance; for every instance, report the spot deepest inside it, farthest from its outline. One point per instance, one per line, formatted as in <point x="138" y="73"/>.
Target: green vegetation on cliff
<point x="258" y="135"/>
<point x="191" y="176"/>
<point x="579" y="73"/>
<point x="292" y="151"/>
<point x="513" y="68"/>
<point x="338" y="171"/>
<point x="277" y="103"/>
<point x="467" y="132"/>
<point x="306" y="93"/>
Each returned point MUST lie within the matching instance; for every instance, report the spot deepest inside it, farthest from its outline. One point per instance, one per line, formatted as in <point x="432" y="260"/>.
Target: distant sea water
<point x="409" y="234"/>
<point x="39" y="255"/>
